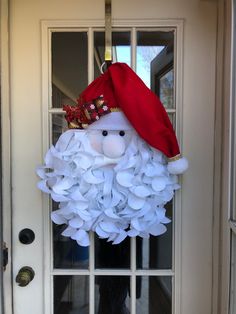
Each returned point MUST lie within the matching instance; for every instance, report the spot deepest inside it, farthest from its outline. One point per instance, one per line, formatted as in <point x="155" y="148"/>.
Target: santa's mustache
<point x="114" y="197"/>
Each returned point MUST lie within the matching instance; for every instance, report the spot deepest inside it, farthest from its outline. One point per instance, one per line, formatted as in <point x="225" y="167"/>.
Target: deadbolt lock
<point x="25" y="276"/>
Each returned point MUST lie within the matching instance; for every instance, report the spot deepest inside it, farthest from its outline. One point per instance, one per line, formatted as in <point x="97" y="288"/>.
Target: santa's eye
<point x="104" y="133"/>
<point x="122" y="133"/>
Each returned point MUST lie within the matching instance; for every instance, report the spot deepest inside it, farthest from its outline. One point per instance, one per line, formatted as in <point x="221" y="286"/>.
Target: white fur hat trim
<point x="111" y="121"/>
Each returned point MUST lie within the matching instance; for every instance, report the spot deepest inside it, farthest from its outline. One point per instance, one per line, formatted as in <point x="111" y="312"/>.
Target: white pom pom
<point x="178" y="166"/>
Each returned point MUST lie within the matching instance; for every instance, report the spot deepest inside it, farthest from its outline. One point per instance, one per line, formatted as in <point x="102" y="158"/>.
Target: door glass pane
<point x="233" y="275"/>
<point x="110" y="256"/>
<point x="69" y="66"/>
<point x="156" y="252"/>
<point x="112" y="295"/>
<point x="66" y="252"/>
<point x="155" y="59"/>
<point x="121" y="49"/>
<point x="59" y="125"/>
<point x="154" y="295"/>
<point x="172" y="118"/>
<point x="71" y="295"/>
<point x="165" y="87"/>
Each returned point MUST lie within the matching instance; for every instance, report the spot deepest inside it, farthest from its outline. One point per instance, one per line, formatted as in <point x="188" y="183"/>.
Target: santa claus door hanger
<point x="116" y="167"/>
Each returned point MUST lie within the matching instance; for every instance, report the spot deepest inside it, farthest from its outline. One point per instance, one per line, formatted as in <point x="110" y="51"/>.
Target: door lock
<point x="25" y="276"/>
<point x="26" y="236"/>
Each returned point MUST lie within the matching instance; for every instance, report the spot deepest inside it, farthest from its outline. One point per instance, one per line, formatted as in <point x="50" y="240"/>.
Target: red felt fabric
<point x="121" y="87"/>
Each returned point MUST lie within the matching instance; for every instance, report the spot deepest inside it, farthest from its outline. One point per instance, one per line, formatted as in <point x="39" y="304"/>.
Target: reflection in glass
<point x="71" y="294"/>
<point x="166" y="88"/>
<point x="156" y="252"/>
<point x="112" y="256"/>
<point x="59" y="125"/>
<point x="172" y="119"/>
<point x="112" y="295"/>
<point x="66" y="252"/>
<point x="69" y="67"/>
<point x="154" y="295"/>
<point x="59" y="98"/>
<point x="154" y="53"/>
<point x="121" y="49"/>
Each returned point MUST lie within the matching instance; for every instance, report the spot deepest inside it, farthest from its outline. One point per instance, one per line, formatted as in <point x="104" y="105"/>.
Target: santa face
<point x="110" y="143"/>
<point x="110" y="182"/>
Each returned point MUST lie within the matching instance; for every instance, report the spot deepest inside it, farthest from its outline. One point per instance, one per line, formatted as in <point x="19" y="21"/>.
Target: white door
<point x="55" y="51"/>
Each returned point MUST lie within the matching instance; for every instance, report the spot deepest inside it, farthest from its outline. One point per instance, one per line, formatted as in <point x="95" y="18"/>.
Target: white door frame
<point x="60" y="25"/>
<point x="6" y="152"/>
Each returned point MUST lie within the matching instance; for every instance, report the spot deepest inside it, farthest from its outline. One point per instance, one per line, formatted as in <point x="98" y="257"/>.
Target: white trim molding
<point x="49" y="26"/>
<point x="6" y="153"/>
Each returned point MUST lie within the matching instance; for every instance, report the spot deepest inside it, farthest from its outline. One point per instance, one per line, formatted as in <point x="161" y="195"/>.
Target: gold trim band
<point x="177" y="157"/>
<point x="115" y="109"/>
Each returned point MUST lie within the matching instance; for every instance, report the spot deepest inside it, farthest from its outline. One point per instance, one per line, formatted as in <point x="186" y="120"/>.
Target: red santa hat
<point x="121" y="89"/>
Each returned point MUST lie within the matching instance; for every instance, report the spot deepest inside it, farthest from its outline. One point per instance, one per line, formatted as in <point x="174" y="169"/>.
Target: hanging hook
<point x="108" y="35"/>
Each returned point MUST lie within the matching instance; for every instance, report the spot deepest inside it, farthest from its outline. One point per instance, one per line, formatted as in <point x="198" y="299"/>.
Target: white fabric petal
<point x="147" y="180"/>
<point x="133" y="233"/>
<point x="160" y="212"/>
<point x="135" y="202"/>
<point x="108" y="226"/>
<point x="165" y="220"/>
<point x="84" y="161"/>
<point x="101" y="233"/>
<point x="116" y="198"/>
<point x="76" y="194"/>
<point x="120" y="237"/>
<point x="40" y="170"/>
<point x="112" y="237"/>
<point x="153" y="170"/>
<point x="158" y="184"/>
<point x="110" y="213"/>
<point x="108" y="174"/>
<point x="144" y="235"/>
<point x="90" y="178"/>
<point x="125" y="178"/>
<point x="141" y="191"/>
<point x="81" y="205"/>
<point x="136" y="224"/>
<point x="81" y="237"/>
<point x="59" y="198"/>
<point x="76" y="222"/>
<point x="58" y="219"/>
<point x="69" y="231"/>
<point x="83" y="214"/>
<point x="63" y="185"/>
<point x="157" y="229"/>
<point x="42" y="185"/>
<point x="64" y="210"/>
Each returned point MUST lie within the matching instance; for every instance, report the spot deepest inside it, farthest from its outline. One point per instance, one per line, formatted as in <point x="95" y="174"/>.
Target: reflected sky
<point x="145" y="54"/>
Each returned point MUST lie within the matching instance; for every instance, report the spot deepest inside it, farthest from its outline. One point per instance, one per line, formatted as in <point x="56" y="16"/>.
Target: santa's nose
<point x="113" y="146"/>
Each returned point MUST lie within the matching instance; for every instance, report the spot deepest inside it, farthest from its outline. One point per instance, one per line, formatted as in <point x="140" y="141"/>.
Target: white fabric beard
<point x="114" y="200"/>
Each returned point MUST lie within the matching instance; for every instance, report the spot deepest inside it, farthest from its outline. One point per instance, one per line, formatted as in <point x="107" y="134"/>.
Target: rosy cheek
<point x="96" y="142"/>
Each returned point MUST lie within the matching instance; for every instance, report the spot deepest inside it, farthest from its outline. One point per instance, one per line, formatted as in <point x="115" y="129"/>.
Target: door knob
<point x="25" y="276"/>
